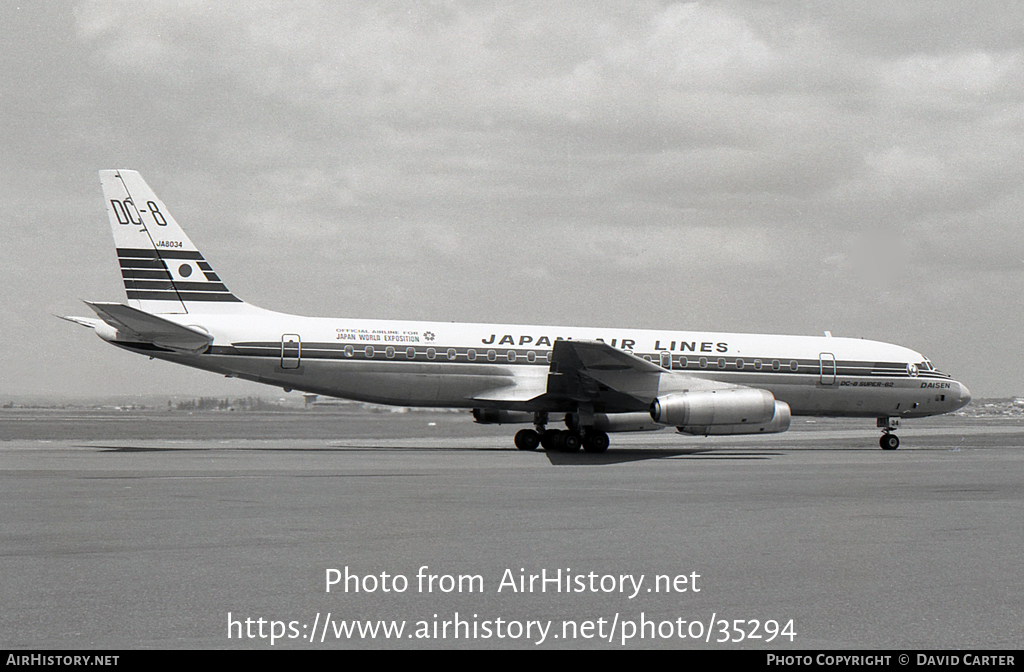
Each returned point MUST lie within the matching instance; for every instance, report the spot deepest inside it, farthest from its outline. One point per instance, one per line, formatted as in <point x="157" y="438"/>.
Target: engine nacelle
<point x="625" y="422"/>
<point x="496" y="416"/>
<point x="778" y="423"/>
<point x="714" y="407"/>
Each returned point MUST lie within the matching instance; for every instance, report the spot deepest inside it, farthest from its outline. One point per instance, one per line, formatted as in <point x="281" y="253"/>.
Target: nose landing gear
<point x="889" y="441"/>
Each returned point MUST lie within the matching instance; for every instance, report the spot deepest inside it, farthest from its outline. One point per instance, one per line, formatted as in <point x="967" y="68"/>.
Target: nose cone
<point x="965" y="395"/>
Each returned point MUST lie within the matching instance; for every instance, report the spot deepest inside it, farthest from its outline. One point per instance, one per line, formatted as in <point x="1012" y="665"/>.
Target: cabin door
<point x="828" y="368"/>
<point x="291" y="351"/>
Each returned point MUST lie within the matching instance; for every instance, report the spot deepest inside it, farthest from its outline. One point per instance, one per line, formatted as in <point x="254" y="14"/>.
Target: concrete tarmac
<point x="164" y="530"/>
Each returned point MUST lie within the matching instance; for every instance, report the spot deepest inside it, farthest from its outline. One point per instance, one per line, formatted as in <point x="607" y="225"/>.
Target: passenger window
<point x="349" y="351"/>
<point x="511" y="355"/>
<point x="793" y="365"/>
<point x="721" y="362"/>
<point x="431" y="353"/>
<point x="471" y="355"/>
<point x="451" y="353"/>
<point x="757" y="365"/>
<point x="776" y="365"/>
<point x="410" y="353"/>
<point x="389" y="352"/>
<point x="492" y="356"/>
<point x="703" y="362"/>
<point x="368" y="351"/>
<point x="739" y="364"/>
<point x="531" y="356"/>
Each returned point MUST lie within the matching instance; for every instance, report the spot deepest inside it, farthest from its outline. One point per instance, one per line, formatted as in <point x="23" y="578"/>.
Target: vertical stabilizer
<point x="163" y="271"/>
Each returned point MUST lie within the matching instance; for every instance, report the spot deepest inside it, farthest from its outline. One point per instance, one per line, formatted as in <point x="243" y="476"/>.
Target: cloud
<point x="694" y="102"/>
<point x="745" y="115"/>
<point x="542" y="161"/>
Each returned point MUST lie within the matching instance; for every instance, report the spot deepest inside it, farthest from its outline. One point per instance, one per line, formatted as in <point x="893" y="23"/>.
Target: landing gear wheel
<point x="569" y="442"/>
<point x="527" y="439"/>
<point x="889" y="442"/>
<point x="549" y="439"/>
<point x="595" y="442"/>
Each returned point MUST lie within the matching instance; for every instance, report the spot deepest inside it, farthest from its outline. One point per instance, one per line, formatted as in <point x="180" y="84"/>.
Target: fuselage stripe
<point x="524" y="357"/>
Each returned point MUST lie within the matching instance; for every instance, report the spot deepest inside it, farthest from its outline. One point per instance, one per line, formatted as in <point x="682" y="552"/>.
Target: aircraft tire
<point x="889" y="442"/>
<point x="569" y="442"/>
<point x="595" y="442"/>
<point x="527" y="439"/>
<point x="549" y="439"/>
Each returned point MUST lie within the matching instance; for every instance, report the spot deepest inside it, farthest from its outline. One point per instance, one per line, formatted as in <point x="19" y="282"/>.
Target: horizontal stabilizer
<point x="90" y="322"/>
<point x="137" y="325"/>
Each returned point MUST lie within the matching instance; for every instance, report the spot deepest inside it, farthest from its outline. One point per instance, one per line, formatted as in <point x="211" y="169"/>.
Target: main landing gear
<point x="564" y="440"/>
<point x="889" y="441"/>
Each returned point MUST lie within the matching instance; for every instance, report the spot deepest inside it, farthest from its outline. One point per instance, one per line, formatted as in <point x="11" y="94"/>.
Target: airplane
<point x="594" y="380"/>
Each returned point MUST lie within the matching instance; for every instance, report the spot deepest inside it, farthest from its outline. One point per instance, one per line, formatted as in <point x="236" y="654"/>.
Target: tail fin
<point x="163" y="271"/>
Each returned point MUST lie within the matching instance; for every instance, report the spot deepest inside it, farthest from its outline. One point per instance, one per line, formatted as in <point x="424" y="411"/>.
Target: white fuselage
<point x="441" y="364"/>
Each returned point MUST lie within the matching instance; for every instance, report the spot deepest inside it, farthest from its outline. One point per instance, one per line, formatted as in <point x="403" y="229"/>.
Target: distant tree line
<point x="225" y="404"/>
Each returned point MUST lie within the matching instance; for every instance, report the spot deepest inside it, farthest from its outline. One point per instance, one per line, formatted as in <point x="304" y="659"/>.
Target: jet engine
<point x="738" y="406"/>
<point x="496" y="416"/>
<point x="625" y="422"/>
<point x="778" y="423"/>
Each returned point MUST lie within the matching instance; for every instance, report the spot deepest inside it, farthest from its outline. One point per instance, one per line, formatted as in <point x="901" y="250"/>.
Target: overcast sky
<point x="737" y="166"/>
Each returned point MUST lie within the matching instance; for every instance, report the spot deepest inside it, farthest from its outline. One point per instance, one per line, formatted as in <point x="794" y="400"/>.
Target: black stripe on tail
<point x="148" y="276"/>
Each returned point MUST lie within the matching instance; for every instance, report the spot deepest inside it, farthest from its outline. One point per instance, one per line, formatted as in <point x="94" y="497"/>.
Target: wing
<point x="597" y="375"/>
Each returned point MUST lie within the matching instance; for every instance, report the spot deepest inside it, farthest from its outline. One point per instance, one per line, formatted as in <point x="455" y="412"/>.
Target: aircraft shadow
<point x="613" y="456"/>
<point x="144" y="449"/>
<point x="324" y="449"/>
